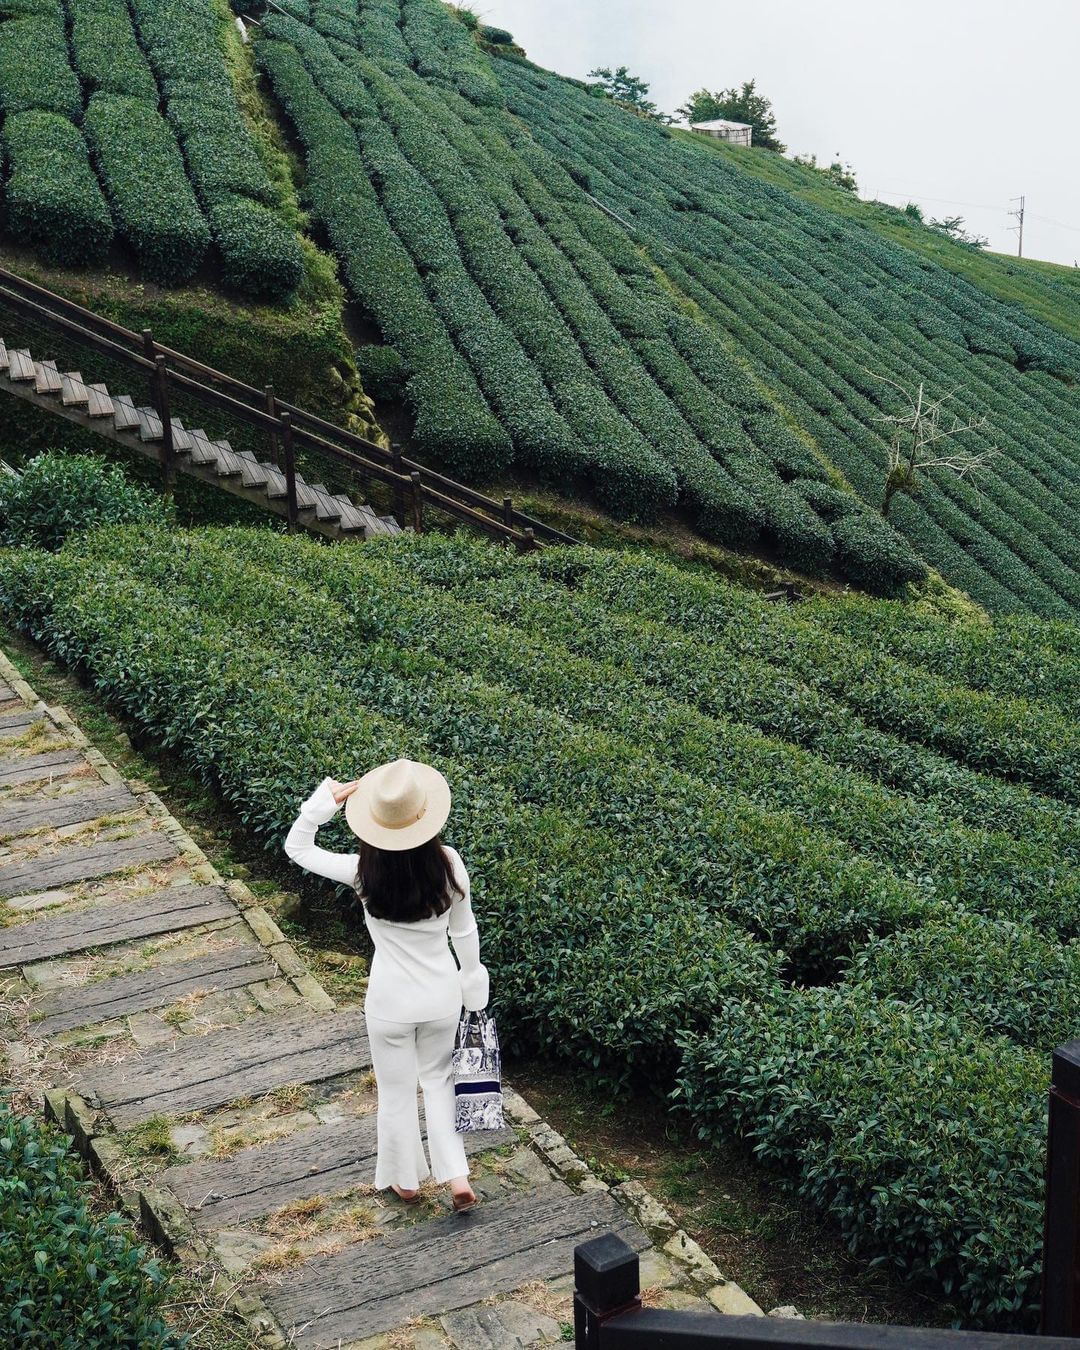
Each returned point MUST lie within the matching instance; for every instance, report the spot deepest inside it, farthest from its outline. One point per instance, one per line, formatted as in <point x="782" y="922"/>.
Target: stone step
<point x="241" y="963"/>
<point x="21" y="816"/>
<point x="317" y="1160"/>
<point x="77" y="861"/>
<point x="250" y="1060"/>
<point x="53" y="764"/>
<point x="171" y="909"/>
<point x="443" y="1264"/>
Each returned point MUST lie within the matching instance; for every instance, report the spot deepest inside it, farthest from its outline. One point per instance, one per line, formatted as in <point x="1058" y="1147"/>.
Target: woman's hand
<point x="343" y="790"/>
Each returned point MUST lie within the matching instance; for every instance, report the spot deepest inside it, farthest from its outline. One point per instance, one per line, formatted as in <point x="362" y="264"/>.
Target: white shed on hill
<point x="737" y="133"/>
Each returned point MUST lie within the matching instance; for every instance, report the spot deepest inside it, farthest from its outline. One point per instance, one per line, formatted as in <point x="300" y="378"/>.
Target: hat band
<point x="399" y="824"/>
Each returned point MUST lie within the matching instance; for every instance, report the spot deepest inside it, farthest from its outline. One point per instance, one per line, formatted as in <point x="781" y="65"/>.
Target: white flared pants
<point x="402" y="1054"/>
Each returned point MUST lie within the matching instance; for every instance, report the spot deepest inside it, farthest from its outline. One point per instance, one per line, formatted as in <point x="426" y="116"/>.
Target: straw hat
<point x="399" y="805"/>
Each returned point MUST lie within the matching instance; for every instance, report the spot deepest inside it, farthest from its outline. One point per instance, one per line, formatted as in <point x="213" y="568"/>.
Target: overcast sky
<point x="957" y="104"/>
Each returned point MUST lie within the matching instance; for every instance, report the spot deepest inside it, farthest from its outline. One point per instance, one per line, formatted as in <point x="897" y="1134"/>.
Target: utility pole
<point x="1019" y="227"/>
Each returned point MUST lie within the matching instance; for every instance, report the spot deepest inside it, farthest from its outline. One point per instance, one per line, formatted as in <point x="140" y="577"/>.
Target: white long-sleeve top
<point x="413" y="975"/>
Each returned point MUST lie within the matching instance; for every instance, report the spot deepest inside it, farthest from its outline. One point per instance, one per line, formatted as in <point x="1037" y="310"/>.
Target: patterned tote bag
<point x="477" y="1074"/>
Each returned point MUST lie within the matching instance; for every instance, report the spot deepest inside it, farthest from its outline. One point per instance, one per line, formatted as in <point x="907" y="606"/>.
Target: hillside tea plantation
<point x="816" y="870"/>
<point x="583" y="292"/>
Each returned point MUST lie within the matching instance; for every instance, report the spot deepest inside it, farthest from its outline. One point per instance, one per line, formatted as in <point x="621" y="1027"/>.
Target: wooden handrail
<point x="247" y="404"/>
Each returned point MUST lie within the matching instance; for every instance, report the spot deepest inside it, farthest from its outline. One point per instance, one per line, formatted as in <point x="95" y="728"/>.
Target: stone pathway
<point x="167" y="1024"/>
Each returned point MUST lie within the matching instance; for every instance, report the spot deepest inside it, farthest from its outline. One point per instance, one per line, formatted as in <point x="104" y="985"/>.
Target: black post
<point x="1061" y="1245"/>
<point x="290" y="471"/>
<point x="607" y="1281"/>
<point x="417" y="503"/>
<point x="161" y="402"/>
<point x="399" y="490"/>
<point x="271" y="408"/>
<point x="508" y="512"/>
<point x="528" y="540"/>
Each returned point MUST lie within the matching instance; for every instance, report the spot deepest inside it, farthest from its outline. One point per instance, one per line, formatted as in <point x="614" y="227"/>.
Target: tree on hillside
<point x="922" y="440"/>
<point x="737" y="105"/>
<point x="953" y="226"/>
<point x="629" y="90"/>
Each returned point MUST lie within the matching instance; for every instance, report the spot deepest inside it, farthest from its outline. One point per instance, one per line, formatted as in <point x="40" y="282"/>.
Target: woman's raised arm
<point x="300" y="845"/>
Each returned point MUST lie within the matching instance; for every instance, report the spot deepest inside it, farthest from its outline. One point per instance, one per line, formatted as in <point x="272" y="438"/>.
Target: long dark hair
<point x="406" y="885"/>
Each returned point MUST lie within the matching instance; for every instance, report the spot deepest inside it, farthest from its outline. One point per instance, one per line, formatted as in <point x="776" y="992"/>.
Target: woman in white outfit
<point x="415" y="892"/>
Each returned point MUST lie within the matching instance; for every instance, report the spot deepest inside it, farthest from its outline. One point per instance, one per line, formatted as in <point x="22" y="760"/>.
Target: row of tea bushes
<point x="640" y="913"/>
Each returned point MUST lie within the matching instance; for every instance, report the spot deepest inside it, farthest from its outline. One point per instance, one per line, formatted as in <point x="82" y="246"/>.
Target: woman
<point x="415" y="891"/>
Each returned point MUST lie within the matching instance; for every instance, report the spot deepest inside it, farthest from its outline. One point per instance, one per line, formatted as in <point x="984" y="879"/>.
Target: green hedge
<point x="52" y="200"/>
<point x="260" y="254"/>
<point x="69" y="1277"/>
<point x="107" y="56"/>
<point x="56" y="493"/>
<point x="143" y="174"/>
<point x="34" y="69"/>
<point x="923" y="1141"/>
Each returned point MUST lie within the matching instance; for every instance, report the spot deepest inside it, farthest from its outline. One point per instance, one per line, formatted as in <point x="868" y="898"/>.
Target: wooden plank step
<point x="181" y="438"/>
<point x="390" y="524"/>
<point x="30" y="768"/>
<point x="352" y="521"/>
<point x="169" y="910"/>
<point x="18" y="723"/>
<point x="21" y="365"/>
<point x="83" y="862"/>
<point x="319" y="1160"/>
<point x="20" y="816"/>
<point x="254" y="475"/>
<point x="149" y="424"/>
<point x="203" y="450"/>
<point x="249" y="1060"/>
<point x="3" y="356"/>
<point x="229" y="463"/>
<point x="6" y="692"/>
<point x="276" y="487"/>
<point x="46" y="378"/>
<point x="100" y="403"/>
<point x="444" y="1264"/>
<point x="326" y="509"/>
<point x="121" y="995"/>
<point x="127" y="419"/>
<point x="73" y="391"/>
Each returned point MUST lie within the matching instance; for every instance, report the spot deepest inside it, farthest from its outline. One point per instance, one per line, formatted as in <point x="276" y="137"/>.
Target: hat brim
<point x="436" y="810"/>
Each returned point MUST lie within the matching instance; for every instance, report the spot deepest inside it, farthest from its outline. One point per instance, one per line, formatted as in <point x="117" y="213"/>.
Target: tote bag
<point x="477" y="1067"/>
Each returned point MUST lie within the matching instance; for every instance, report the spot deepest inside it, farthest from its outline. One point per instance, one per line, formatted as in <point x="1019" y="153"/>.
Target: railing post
<point x="290" y="471"/>
<point x="399" y="490"/>
<point x="606" y="1281"/>
<point x="417" y="503"/>
<point x="1061" y="1244"/>
<point x="161" y="402"/>
<point x="508" y="512"/>
<point x="271" y="408"/>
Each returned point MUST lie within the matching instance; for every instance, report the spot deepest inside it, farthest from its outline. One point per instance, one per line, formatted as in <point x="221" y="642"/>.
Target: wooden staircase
<point x="120" y="419"/>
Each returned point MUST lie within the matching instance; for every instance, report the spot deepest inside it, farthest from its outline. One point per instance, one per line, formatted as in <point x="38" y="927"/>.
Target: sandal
<point x="412" y="1198"/>
<point x="466" y="1201"/>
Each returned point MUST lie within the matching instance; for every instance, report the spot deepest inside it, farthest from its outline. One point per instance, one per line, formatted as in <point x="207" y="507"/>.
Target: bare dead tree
<point x="924" y="437"/>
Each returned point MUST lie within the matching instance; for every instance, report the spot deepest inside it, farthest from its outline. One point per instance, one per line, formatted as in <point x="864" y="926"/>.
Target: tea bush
<point x="52" y="200"/>
<point x="69" y="1276"/>
<point x="143" y="174"/>
<point x="57" y="493"/>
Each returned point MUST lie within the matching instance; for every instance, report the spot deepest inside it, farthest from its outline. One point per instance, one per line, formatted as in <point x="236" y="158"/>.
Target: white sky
<point x="956" y="104"/>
